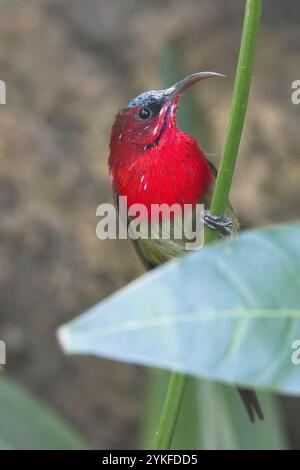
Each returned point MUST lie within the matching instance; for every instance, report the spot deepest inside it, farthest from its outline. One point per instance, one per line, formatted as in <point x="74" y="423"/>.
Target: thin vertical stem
<point x="168" y="420"/>
<point x="237" y="112"/>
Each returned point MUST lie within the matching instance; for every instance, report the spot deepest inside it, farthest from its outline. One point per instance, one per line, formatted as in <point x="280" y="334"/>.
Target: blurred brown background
<point x="69" y="65"/>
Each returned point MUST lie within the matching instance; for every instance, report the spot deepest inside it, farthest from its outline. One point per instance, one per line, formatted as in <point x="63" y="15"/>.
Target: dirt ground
<point x="69" y="65"/>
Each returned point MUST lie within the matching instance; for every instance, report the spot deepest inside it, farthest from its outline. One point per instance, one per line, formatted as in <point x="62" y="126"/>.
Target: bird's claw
<point x="222" y="223"/>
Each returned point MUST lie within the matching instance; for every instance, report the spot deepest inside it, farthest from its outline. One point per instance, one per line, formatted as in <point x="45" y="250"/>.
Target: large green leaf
<point x="229" y="312"/>
<point x="27" y="424"/>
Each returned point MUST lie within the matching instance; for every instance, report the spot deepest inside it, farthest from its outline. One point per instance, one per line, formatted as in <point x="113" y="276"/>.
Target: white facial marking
<point x="142" y="178"/>
<point x="145" y="186"/>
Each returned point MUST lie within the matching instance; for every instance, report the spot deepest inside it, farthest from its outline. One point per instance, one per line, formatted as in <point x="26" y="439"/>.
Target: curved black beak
<point x="185" y="83"/>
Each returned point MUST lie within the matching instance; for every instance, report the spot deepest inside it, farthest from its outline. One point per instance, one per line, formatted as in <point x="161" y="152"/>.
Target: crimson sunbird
<point x="153" y="162"/>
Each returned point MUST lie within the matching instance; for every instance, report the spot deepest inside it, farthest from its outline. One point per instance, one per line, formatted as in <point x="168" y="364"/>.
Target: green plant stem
<point x="171" y="408"/>
<point x="168" y="420"/>
<point x="237" y="112"/>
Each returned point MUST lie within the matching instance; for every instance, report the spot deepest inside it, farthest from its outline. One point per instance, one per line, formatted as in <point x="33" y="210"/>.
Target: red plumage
<point x="176" y="173"/>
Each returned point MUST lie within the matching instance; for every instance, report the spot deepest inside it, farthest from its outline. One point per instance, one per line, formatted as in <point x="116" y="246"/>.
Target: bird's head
<point x="146" y="118"/>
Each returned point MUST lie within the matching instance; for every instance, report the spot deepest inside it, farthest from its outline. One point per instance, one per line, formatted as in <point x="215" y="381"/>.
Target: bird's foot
<point x="222" y="223"/>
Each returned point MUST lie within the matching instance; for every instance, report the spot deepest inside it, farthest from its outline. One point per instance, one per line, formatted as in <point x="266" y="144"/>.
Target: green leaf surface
<point x="27" y="424"/>
<point x="229" y="312"/>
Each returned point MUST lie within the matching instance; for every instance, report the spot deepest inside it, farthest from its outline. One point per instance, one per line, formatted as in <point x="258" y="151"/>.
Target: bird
<point x="152" y="162"/>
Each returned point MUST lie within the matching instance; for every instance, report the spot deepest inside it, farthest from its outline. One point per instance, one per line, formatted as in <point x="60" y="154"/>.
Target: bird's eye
<point x="144" y="113"/>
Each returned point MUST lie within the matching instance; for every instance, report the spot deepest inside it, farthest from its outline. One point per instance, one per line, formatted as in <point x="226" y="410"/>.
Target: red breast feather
<point x="173" y="171"/>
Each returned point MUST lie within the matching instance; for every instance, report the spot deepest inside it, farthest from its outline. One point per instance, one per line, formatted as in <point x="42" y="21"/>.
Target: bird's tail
<point x="251" y="403"/>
